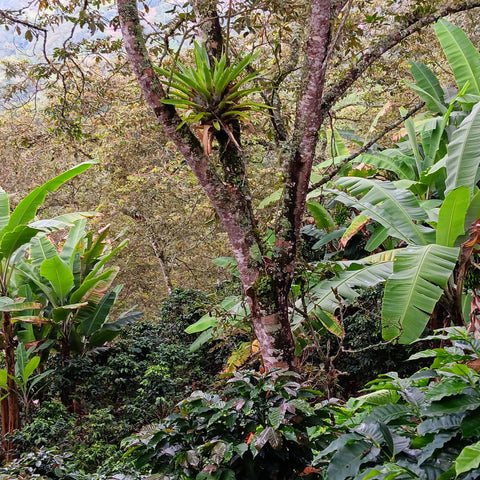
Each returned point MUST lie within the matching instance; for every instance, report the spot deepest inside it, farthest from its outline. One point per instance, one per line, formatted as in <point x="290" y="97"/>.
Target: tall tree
<point x="267" y="279"/>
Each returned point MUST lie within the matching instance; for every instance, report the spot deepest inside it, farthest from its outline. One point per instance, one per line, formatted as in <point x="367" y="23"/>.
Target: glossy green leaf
<point x="428" y="82"/>
<point x="462" y="55"/>
<point x="40" y="250"/>
<point x="379" y="235"/>
<point x="14" y="239"/>
<point x="420" y="274"/>
<point x="468" y="459"/>
<point x="75" y="235"/>
<point x="448" y="386"/>
<point x="451" y="219"/>
<point x="94" y="287"/>
<point x="329" y="322"/>
<point x="347" y="461"/>
<point x="322" y="217"/>
<point x="462" y="160"/>
<point x="27" y="208"/>
<point x="59" y="275"/>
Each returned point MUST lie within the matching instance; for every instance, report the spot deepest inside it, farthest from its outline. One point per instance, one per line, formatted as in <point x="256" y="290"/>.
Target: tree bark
<point x="229" y="193"/>
<point x="266" y="281"/>
<point x="10" y="408"/>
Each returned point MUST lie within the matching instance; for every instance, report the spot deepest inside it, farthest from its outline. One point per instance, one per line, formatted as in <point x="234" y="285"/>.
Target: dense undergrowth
<point x="262" y="425"/>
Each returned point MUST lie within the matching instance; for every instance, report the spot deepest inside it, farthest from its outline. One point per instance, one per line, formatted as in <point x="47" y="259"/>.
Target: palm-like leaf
<point x="326" y="294"/>
<point x="420" y="274"/>
<point x="27" y="208"/>
<point x="463" y="160"/>
<point x="428" y="87"/>
<point x="394" y="208"/>
<point x="394" y="161"/>
<point x="461" y="54"/>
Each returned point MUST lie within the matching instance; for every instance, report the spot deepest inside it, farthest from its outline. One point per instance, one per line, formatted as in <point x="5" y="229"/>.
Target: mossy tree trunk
<point x="266" y="280"/>
<point x="10" y="407"/>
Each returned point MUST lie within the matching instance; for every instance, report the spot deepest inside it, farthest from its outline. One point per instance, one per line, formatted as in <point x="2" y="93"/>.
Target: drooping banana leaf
<point x="428" y="87"/>
<point x="462" y="55"/>
<point x="462" y="160"/>
<point x="326" y="293"/>
<point x="392" y="160"/>
<point x="395" y="209"/>
<point x="420" y="273"/>
<point x="40" y="250"/>
<point x="27" y="208"/>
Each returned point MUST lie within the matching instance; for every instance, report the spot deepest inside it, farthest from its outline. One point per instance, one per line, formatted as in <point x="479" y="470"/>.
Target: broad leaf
<point x="461" y="54"/>
<point x="95" y="287"/>
<point x="27" y="208"/>
<point x="8" y="305"/>
<point x="347" y="461"/>
<point x="75" y="235"/>
<point x="40" y="250"/>
<point x="59" y="275"/>
<point x="419" y="276"/>
<point x="272" y="198"/>
<point x="430" y="90"/>
<point x="468" y="459"/>
<point x="324" y="294"/>
<point x="110" y="330"/>
<point x="323" y="219"/>
<point x="355" y="226"/>
<point x="92" y="319"/>
<point x="12" y="240"/>
<point x="462" y="160"/>
<point x="395" y="209"/>
<point x="394" y="161"/>
<point x="451" y="219"/>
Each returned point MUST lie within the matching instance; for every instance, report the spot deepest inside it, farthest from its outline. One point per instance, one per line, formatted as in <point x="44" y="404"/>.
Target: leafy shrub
<point x="50" y="426"/>
<point x="363" y="335"/>
<point x="425" y="426"/>
<point x="256" y="430"/>
<point x="179" y="310"/>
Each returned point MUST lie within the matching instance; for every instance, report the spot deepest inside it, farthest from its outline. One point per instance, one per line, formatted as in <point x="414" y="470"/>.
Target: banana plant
<point x="75" y="289"/>
<point x="430" y="266"/>
<point x="25" y="377"/>
<point x="17" y="231"/>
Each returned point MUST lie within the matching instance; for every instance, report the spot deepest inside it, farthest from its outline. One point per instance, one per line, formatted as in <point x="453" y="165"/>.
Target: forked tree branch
<point x="400" y="32"/>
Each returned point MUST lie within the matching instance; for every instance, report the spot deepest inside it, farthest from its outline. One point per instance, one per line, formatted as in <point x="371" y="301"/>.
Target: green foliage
<point x="254" y="431"/>
<point x="424" y="426"/>
<point x="179" y="310"/>
<point x="74" y="288"/>
<point x="406" y="213"/>
<point x="363" y="336"/>
<point x="211" y="95"/>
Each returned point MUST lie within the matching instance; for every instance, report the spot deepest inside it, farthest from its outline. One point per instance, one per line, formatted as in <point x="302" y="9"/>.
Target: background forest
<point x="242" y="242"/>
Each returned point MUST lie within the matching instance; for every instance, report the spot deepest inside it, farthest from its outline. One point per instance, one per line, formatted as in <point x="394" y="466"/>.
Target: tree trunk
<point x="10" y="408"/>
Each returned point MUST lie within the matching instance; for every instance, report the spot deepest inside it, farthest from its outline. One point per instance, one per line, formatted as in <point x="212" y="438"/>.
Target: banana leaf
<point x="420" y="274"/>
